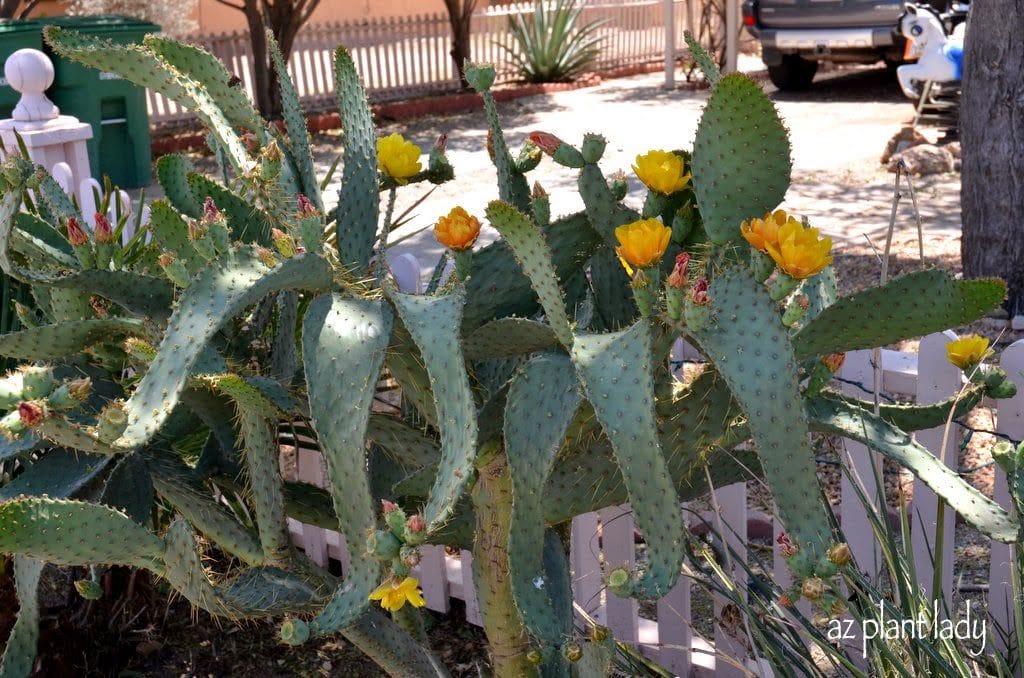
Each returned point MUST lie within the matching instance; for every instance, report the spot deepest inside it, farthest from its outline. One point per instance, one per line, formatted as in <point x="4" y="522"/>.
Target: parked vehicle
<point x="796" y="35"/>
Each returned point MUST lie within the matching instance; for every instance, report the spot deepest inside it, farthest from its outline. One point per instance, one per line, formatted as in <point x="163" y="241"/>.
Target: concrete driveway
<point x="838" y="132"/>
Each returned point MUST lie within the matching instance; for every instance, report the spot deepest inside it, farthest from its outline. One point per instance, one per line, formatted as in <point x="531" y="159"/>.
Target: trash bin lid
<point x="8" y="26"/>
<point x="101" y="23"/>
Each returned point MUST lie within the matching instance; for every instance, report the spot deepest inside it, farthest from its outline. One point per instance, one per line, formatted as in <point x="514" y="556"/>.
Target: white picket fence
<point x="408" y="56"/>
<point x="608" y="536"/>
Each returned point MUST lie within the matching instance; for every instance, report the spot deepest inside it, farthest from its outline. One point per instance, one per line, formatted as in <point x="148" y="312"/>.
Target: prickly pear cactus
<point x="534" y="375"/>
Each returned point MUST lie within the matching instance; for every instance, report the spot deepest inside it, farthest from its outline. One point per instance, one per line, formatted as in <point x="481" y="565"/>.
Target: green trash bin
<point x="14" y="35"/>
<point x="116" y="108"/>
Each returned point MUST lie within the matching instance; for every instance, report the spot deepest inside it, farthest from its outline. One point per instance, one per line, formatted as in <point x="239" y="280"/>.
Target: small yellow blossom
<point x="642" y="243"/>
<point x="799" y="252"/>
<point x="661" y="171"/>
<point x="967" y="351"/>
<point x="763" y="232"/>
<point x="394" y="594"/>
<point x="398" y="158"/>
<point x="457" y="230"/>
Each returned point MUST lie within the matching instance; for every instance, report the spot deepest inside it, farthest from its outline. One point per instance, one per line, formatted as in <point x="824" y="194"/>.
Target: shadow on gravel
<point x="848" y="85"/>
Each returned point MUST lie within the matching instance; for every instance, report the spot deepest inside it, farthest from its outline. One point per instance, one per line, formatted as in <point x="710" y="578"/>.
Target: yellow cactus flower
<point x="642" y="243"/>
<point x="394" y="594"/>
<point x="457" y="230"/>
<point x="765" y="231"/>
<point x="661" y="171"/>
<point x="398" y="158"/>
<point x="968" y="351"/>
<point x="800" y="253"/>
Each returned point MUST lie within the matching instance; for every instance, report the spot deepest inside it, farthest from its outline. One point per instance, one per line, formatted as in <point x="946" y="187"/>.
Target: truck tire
<point x="794" y="74"/>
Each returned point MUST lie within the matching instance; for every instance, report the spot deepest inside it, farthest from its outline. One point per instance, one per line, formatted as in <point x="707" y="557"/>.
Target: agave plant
<point x="549" y="45"/>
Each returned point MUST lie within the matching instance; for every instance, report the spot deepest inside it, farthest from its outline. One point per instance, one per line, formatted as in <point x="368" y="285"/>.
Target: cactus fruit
<point x="534" y="384"/>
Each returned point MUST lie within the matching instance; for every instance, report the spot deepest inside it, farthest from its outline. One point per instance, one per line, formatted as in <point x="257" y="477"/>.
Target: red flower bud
<point x="677" y="278"/>
<point x="210" y="211"/>
<point x="389" y="506"/>
<point x="416" y="523"/>
<point x="104" y="231"/>
<point x="442" y="141"/>
<point x="700" y="292"/>
<point x="76" y="235"/>
<point x="546" y="142"/>
<point x="786" y="545"/>
<point x="306" y="208"/>
<point x="31" y="412"/>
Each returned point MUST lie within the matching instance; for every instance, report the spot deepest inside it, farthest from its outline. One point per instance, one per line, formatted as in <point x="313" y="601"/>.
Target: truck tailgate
<point x="827" y="13"/>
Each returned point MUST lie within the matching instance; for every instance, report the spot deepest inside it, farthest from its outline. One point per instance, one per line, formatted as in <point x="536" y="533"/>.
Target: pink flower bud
<point x="104" y="231"/>
<point x="700" y="292"/>
<point x="306" y="207"/>
<point x="786" y="545"/>
<point x="546" y="142"/>
<point x="210" y="211"/>
<point x="76" y="235"/>
<point x="388" y="506"/>
<point x="416" y="523"/>
<point x="441" y="143"/>
<point x="31" y="413"/>
<point x="677" y="278"/>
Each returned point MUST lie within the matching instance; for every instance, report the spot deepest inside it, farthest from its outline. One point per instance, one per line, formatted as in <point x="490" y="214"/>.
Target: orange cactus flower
<point x="458" y="230"/>
<point x="642" y="243"/>
<point x="661" y="171"/>
<point x="800" y="253"/>
<point x="763" y="232"/>
<point x="398" y="158"/>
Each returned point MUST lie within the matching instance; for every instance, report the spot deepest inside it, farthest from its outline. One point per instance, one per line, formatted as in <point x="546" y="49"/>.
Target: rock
<point x="908" y="137"/>
<point x="1017" y="324"/>
<point x="924" y="159"/>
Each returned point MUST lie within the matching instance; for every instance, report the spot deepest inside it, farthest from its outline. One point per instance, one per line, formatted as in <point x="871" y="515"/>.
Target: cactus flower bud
<point x="32" y="412"/>
<point x="104" y="231"/>
<point x="294" y="631"/>
<point x="112" y="422"/>
<point x="599" y="633"/>
<point x="410" y="556"/>
<point x="833" y="361"/>
<point x="785" y="600"/>
<point x="388" y="506"/>
<point x="813" y="588"/>
<point x="786" y="545"/>
<point x="416" y="523"/>
<point x="700" y="292"/>
<point x="572" y="652"/>
<point x="677" y="278"/>
<point x="840" y="554"/>
<point x="266" y="257"/>
<point x="441" y="142"/>
<point x="76" y="234"/>
<point x="546" y="142"/>
<point x="306" y="207"/>
<point x="37" y="382"/>
<point x="210" y="211"/>
<point x="383" y="545"/>
<point x="538" y="191"/>
<point x="284" y="243"/>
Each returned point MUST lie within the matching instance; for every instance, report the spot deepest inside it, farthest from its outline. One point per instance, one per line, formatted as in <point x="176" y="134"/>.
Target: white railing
<point x="607" y="536"/>
<point x="403" y="57"/>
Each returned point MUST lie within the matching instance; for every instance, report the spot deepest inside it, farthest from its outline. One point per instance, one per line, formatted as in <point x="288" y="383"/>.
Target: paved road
<point x="838" y="132"/>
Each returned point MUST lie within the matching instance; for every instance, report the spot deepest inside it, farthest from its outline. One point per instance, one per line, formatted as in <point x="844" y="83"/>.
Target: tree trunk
<point x="460" y="18"/>
<point x="992" y="139"/>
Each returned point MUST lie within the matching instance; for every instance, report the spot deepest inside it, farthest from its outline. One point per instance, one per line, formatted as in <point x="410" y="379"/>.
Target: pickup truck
<point x="796" y="35"/>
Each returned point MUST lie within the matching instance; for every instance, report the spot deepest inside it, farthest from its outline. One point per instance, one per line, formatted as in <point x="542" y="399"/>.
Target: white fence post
<point x="937" y="379"/>
<point x="619" y="545"/>
<point x="729" y="642"/>
<point x="864" y="463"/>
<point x="585" y="556"/>
<point x="1009" y="421"/>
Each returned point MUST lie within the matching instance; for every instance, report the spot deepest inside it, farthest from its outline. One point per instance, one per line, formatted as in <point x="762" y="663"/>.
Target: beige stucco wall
<point x="214" y="17"/>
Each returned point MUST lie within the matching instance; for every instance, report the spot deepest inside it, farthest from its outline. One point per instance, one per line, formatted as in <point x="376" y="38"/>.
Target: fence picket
<point x="399" y="57"/>
<point x="619" y="547"/>
<point x="729" y="635"/>
<point x="937" y="380"/>
<point x="1010" y="422"/>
